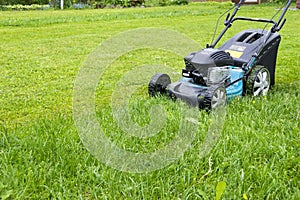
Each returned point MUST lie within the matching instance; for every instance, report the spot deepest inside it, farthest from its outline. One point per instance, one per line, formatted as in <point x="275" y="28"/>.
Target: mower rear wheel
<point x="158" y="84"/>
<point x="258" y="82"/>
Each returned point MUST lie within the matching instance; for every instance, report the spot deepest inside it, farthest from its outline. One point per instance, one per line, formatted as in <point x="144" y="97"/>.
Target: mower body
<point x="226" y="64"/>
<point x="245" y="64"/>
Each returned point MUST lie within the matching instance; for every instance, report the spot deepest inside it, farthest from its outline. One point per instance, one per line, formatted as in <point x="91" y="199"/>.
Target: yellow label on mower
<point x="235" y="54"/>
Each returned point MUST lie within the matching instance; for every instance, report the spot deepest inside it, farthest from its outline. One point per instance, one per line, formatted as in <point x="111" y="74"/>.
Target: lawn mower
<point x="243" y="65"/>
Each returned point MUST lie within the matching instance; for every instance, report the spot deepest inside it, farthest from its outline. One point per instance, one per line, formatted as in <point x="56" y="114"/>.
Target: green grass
<point x="42" y="156"/>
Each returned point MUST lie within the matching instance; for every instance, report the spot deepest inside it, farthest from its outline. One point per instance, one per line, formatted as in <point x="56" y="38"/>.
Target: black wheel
<point x="158" y="84"/>
<point x="258" y="82"/>
<point x="215" y="97"/>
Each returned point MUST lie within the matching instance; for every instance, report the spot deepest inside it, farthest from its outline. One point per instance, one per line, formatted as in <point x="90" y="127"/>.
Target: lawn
<point x="42" y="155"/>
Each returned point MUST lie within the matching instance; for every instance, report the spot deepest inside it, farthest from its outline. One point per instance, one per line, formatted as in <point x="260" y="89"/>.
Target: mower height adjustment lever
<point x="226" y="22"/>
<point x="279" y="26"/>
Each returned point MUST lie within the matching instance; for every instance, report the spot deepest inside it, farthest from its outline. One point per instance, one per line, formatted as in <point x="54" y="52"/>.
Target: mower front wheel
<point x="215" y="97"/>
<point x="158" y="84"/>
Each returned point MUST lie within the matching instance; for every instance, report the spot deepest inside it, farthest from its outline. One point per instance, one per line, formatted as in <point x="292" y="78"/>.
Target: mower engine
<point x="207" y="66"/>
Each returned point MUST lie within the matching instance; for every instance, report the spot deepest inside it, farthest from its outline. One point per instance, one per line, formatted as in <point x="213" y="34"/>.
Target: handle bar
<point x="254" y="20"/>
<point x="231" y="18"/>
<point x="277" y="25"/>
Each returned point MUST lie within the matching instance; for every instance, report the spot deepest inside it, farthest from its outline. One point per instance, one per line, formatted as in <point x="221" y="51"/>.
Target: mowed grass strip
<point x="42" y="155"/>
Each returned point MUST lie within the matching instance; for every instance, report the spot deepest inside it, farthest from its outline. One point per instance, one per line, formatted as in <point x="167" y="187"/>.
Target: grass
<point x="42" y="156"/>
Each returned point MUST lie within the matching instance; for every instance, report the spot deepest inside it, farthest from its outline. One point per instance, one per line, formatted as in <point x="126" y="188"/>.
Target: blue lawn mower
<point x="244" y="65"/>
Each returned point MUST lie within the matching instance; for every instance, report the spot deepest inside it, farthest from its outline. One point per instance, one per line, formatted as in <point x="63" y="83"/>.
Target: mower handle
<point x="254" y="20"/>
<point x="241" y="2"/>
<point x="283" y="12"/>
<point x="276" y="27"/>
<point x="231" y="18"/>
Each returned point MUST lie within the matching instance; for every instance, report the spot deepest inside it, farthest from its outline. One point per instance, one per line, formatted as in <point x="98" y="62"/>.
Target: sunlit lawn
<point x="42" y="156"/>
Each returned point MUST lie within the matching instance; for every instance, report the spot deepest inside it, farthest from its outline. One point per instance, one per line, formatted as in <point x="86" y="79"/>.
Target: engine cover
<point x="206" y="58"/>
